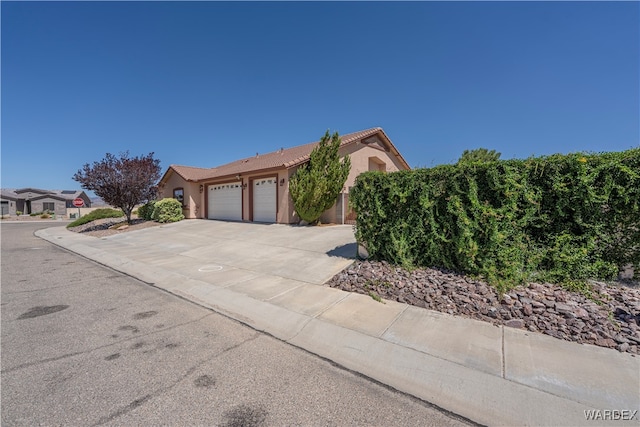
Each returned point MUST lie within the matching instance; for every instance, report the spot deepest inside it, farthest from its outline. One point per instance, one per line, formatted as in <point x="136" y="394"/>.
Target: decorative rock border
<point x="611" y="319"/>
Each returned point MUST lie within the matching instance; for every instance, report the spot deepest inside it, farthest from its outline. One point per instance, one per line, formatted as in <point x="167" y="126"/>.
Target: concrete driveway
<point x="231" y="253"/>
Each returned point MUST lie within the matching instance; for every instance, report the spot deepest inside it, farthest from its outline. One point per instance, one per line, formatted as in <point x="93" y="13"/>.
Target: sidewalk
<point x="491" y="375"/>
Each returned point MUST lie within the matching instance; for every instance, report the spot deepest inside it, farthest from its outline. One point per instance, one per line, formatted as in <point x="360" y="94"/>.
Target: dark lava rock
<point x="611" y="319"/>
<point x="515" y="323"/>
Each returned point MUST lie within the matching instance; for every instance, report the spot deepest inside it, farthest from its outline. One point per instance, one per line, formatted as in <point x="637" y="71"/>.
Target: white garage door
<point x="264" y="199"/>
<point x="225" y="201"/>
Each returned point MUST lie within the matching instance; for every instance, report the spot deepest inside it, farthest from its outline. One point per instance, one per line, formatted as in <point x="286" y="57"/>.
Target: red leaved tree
<point x="122" y="182"/>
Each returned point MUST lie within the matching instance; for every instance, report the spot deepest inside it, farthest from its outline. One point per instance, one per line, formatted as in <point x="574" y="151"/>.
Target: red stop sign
<point x="78" y="203"/>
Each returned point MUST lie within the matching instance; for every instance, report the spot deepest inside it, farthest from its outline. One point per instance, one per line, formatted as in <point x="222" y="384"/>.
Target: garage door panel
<point x="225" y="202"/>
<point x="265" y="192"/>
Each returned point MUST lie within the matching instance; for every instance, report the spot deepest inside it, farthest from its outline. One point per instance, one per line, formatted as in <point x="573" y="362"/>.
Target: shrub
<point x="18" y="213"/>
<point x="146" y="211"/>
<point x="167" y="210"/>
<point x="97" y="214"/>
<point x="560" y="218"/>
<point x="45" y="215"/>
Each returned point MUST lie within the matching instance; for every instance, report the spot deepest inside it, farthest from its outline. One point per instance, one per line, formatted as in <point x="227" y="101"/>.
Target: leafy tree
<point x="316" y="185"/>
<point x="122" y="181"/>
<point x="479" y="155"/>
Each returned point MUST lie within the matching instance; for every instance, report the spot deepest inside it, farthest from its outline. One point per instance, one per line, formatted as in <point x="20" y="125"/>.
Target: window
<point x="178" y="194"/>
<point x="375" y="164"/>
<point x="48" y="206"/>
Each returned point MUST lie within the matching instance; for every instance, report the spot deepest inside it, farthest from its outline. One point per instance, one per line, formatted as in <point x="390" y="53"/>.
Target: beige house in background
<point x="36" y="200"/>
<point x="257" y="188"/>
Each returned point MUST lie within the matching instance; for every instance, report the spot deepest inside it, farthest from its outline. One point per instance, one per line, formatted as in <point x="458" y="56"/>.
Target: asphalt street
<point x="85" y="345"/>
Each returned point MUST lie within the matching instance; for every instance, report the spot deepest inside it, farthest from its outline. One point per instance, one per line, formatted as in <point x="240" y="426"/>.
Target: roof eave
<point x="232" y="176"/>
<point x="166" y="175"/>
<point x="394" y="150"/>
<point x="387" y="141"/>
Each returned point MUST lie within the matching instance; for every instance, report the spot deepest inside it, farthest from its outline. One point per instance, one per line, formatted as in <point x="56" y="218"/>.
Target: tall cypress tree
<point x="315" y="186"/>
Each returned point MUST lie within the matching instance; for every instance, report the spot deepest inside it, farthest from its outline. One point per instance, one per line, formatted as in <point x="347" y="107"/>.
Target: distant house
<point x="257" y="188"/>
<point x="35" y="200"/>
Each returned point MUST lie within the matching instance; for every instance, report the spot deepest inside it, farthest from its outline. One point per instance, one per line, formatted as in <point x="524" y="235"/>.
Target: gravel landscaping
<point x="612" y="322"/>
<point x="110" y="226"/>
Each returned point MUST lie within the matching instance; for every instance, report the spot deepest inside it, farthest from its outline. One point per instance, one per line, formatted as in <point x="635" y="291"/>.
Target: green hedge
<point x="97" y="214"/>
<point x="560" y="218"/>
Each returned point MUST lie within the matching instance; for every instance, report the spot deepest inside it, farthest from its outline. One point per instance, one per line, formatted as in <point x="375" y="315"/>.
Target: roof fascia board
<point x="232" y="176"/>
<point x="394" y="150"/>
<point x="166" y="175"/>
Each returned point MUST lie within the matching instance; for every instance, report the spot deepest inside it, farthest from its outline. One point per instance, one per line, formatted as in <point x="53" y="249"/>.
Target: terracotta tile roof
<point x="346" y="139"/>
<point x="189" y="173"/>
<point x="275" y="159"/>
<point x="283" y="158"/>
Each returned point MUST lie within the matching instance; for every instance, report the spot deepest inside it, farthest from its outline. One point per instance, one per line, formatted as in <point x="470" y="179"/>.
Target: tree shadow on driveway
<point x="348" y="250"/>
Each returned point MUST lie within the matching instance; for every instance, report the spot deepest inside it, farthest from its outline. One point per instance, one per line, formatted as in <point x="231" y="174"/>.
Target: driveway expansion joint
<point x="395" y="319"/>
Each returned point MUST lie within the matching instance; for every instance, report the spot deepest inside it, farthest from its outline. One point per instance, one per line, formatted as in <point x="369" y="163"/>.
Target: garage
<point x="265" y="191"/>
<point x="225" y="201"/>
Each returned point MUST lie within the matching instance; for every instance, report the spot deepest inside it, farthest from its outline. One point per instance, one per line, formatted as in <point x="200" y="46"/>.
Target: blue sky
<point x="205" y="83"/>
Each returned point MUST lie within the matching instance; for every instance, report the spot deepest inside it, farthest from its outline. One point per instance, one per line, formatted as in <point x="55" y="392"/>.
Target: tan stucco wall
<point x="193" y="199"/>
<point x="285" y="209"/>
<point x="361" y="156"/>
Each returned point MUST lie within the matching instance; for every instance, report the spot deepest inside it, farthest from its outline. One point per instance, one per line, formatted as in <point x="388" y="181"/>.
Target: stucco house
<point x="257" y="188"/>
<point x="34" y="200"/>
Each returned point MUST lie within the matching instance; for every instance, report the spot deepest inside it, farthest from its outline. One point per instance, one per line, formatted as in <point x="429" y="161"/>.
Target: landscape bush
<point x="97" y="214"/>
<point x="167" y="210"/>
<point x="560" y="218"/>
<point x="146" y="211"/>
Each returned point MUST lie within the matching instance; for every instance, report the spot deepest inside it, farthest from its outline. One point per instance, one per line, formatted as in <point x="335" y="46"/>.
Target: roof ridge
<point x="345" y="139"/>
<point x="191" y="167"/>
<point x="347" y="135"/>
